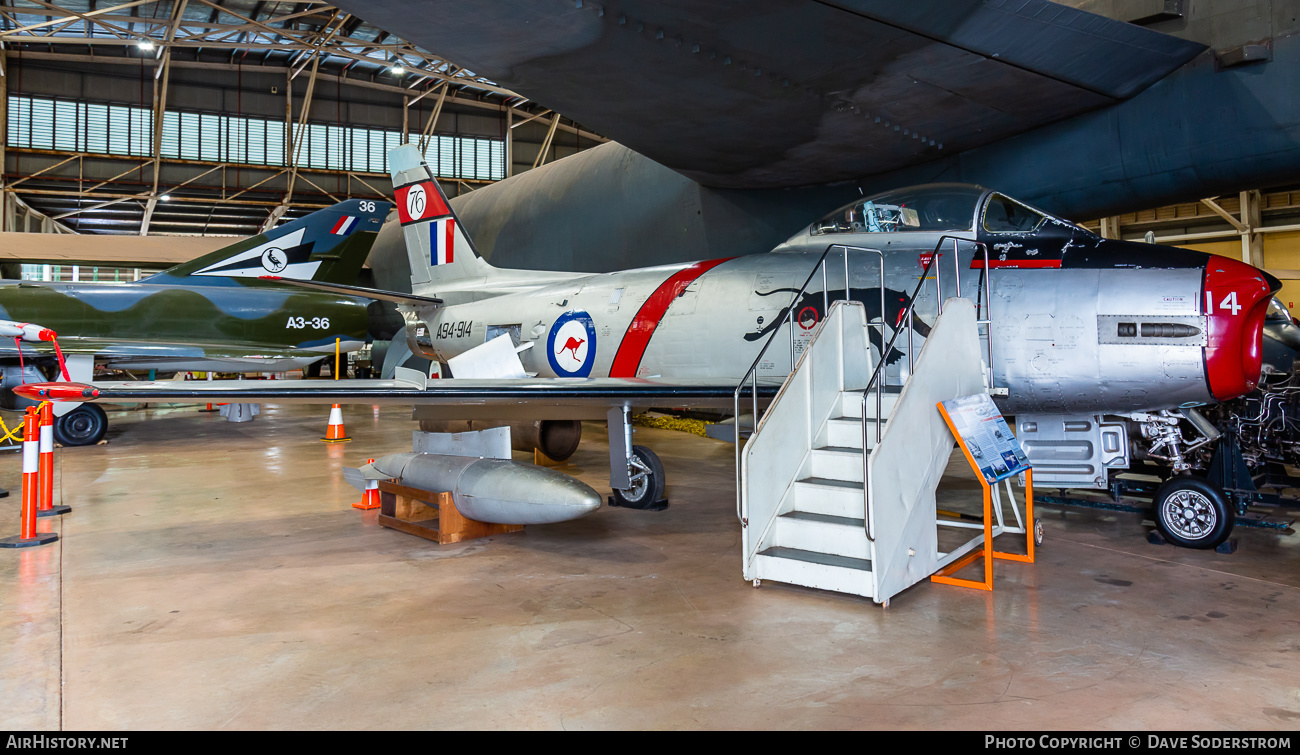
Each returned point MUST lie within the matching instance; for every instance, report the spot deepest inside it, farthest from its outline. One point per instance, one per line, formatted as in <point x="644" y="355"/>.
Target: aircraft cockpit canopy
<point x="1277" y="311"/>
<point x="1005" y="215"/>
<point x="936" y="207"/>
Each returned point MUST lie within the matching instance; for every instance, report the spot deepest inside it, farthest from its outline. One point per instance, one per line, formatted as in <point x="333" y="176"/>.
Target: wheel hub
<point x="1190" y="514"/>
<point x="640" y="478"/>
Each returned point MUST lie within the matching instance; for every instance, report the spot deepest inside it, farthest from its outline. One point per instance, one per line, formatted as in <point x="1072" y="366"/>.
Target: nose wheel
<point x="1193" y="512"/>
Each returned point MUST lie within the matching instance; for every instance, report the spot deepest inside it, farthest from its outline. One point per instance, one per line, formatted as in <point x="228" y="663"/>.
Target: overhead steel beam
<point x="323" y="77"/>
<point x="546" y="144"/>
<point x="1214" y="206"/>
<point x="427" y="133"/>
<point x="75" y="14"/>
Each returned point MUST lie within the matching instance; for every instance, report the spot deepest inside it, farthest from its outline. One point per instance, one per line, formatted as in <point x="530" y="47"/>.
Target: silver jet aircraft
<point x="1081" y="328"/>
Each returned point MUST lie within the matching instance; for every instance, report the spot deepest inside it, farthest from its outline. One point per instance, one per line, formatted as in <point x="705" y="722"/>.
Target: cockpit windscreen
<point x="1277" y="311"/>
<point x="923" y="208"/>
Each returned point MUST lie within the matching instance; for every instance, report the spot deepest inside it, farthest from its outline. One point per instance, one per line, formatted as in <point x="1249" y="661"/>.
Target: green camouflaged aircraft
<point x="212" y="313"/>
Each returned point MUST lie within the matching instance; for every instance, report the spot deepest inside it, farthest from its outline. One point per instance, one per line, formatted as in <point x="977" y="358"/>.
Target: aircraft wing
<point x="525" y="398"/>
<point x="369" y="293"/>
<point x="780" y="93"/>
<point x="116" y="348"/>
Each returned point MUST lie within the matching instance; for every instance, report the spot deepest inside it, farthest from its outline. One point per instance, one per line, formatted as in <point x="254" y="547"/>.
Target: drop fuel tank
<point x="497" y="491"/>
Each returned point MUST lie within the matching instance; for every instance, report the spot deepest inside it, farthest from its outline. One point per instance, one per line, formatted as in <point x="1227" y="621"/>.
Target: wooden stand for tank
<point x="432" y="516"/>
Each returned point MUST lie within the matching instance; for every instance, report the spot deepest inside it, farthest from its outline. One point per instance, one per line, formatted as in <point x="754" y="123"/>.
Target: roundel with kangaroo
<point x="571" y="346"/>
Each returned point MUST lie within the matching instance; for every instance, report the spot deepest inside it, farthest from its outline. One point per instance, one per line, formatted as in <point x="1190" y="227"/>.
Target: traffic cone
<point x="334" y="433"/>
<point x="45" y="467"/>
<point x="370" y="498"/>
<point x="28" y="535"/>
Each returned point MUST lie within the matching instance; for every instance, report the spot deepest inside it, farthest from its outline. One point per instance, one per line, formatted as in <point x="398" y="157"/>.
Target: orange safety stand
<point x="944" y="575"/>
<point x="28" y="535"/>
<point x="45" y="468"/>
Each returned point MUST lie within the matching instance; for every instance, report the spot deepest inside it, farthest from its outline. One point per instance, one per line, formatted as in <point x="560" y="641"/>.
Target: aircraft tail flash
<point x="438" y="248"/>
<point x="328" y="246"/>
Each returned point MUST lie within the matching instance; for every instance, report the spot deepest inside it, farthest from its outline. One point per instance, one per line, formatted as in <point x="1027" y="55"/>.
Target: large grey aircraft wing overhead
<point x="783" y="93"/>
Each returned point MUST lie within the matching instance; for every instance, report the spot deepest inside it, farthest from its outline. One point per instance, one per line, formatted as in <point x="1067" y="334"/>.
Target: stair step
<point x="812" y="569"/>
<point x="813" y="557"/>
<point x="846" y="432"/>
<point x="838" y="463"/>
<point x="812" y="516"/>
<point x="820" y="495"/>
<point x="851" y="404"/>
<point x="810" y="532"/>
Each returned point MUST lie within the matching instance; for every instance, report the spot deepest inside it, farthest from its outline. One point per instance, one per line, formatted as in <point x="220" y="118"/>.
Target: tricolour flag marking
<point x="442" y="241"/>
<point x="345" y="226"/>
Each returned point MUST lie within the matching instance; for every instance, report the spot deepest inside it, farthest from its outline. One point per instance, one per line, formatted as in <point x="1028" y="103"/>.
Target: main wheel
<point x="647" y="481"/>
<point x="1193" y="513"/>
<point x="83" y="426"/>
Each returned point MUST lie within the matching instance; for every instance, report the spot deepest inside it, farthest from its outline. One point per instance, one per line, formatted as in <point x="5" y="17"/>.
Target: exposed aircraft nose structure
<point x="497" y="491"/>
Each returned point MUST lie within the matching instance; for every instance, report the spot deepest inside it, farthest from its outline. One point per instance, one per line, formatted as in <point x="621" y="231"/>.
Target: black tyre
<point x="1193" y="513"/>
<point x="83" y="426"/>
<point x="647" y="481"/>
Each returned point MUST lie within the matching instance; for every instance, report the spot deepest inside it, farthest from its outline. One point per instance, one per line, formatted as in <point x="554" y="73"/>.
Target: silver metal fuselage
<point x="1048" y="346"/>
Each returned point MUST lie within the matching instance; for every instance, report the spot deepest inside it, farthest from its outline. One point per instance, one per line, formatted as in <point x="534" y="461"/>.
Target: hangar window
<point x="1004" y="215"/>
<point x="67" y="126"/>
<point x="940" y="207"/>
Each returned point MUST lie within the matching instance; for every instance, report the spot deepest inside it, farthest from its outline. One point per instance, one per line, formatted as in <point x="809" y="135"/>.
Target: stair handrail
<point x="751" y="374"/>
<point x="908" y="312"/>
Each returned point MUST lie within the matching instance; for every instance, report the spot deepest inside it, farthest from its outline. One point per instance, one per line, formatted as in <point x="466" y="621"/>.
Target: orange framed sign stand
<point x="1001" y="472"/>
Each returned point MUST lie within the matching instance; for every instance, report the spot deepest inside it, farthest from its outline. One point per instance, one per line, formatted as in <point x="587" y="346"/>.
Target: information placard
<point x="980" y="427"/>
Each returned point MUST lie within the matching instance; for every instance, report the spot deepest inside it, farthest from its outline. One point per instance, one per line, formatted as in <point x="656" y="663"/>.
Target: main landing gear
<point x="83" y="426"/>
<point x="635" y="473"/>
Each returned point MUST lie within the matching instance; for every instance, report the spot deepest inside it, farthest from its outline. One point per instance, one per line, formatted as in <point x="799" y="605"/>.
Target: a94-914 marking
<point x="316" y="323"/>
<point x="453" y="329"/>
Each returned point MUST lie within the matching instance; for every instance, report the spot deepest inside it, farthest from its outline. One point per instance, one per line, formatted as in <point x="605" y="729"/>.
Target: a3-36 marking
<point x="315" y="323"/>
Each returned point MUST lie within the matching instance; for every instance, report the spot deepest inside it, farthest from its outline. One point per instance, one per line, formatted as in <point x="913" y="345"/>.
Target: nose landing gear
<point x="1193" y="512"/>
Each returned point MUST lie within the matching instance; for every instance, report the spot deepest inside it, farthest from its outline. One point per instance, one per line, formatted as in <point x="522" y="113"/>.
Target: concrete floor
<point x="215" y="576"/>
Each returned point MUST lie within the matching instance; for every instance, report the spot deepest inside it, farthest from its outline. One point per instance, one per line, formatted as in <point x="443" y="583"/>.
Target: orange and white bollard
<point x="334" y="433"/>
<point x="370" y="498"/>
<point x="28" y="536"/>
<point x="45" y="467"/>
<point x="209" y="407"/>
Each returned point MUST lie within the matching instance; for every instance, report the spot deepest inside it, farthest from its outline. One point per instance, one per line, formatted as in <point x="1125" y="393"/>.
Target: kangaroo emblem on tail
<point x="572" y="345"/>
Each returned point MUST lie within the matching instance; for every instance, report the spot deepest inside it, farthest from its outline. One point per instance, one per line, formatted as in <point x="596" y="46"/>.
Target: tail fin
<point x="329" y="245"/>
<point x="437" y="246"/>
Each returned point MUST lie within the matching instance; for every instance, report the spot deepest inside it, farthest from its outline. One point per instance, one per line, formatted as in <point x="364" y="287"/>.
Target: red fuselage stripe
<point x="637" y="338"/>
<point x="976" y="264"/>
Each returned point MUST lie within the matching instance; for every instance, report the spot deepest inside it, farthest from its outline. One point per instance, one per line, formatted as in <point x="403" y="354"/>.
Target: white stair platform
<point x="804" y="487"/>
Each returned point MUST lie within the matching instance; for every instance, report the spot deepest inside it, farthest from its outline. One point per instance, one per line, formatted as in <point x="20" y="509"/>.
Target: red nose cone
<point x="1235" y="300"/>
<point x="57" y="391"/>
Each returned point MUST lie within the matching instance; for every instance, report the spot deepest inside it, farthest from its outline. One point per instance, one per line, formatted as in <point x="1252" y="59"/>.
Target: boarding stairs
<point x="836" y="487"/>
